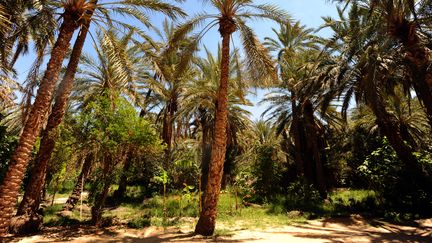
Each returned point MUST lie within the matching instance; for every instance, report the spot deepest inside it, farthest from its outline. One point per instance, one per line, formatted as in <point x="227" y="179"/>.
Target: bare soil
<point x="349" y="229"/>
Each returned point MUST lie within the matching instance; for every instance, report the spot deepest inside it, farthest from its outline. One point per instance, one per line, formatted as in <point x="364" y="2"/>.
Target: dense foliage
<point x="143" y="118"/>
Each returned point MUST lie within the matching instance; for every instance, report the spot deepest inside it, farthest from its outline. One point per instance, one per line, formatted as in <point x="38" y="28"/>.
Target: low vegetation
<point x="145" y="125"/>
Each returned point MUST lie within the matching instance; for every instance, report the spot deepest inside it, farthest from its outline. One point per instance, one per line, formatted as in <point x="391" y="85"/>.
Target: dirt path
<point x="353" y="229"/>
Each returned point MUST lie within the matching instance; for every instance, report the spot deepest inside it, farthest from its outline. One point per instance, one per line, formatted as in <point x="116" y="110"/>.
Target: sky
<point x="308" y="12"/>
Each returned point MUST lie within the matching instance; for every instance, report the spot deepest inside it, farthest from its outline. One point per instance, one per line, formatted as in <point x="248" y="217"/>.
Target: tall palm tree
<point x="292" y="42"/>
<point x="368" y="70"/>
<point x="172" y="69"/>
<point x="76" y="11"/>
<point x="30" y="204"/>
<point x="13" y="178"/>
<point x="199" y="102"/>
<point x="231" y="16"/>
<point x="24" y="22"/>
<point x="295" y="104"/>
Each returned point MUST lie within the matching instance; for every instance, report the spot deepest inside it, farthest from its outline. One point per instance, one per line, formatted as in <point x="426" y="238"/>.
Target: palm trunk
<point x="9" y="190"/>
<point x="167" y="131"/>
<point x="207" y="221"/>
<point x="294" y="131"/>
<point x="314" y="135"/>
<point x="30" y="203"/>
<point x="76" y="192"/>
<point x="97" y="209"/>
<point x="205" y="154"/>
<point x="391" y="129"/>
<point x="119" y="193"/>
<point x="418" y="57"/>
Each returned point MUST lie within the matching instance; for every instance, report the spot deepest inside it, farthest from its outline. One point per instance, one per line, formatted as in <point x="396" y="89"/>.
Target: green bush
<point x="302" y="196"/>
<point x="394" y="181"/>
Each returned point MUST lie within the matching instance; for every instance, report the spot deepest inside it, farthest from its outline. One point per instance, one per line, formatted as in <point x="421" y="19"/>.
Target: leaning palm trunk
<point x="9" y="190"/>
<point x="31" y="200"/>
<point x="76" y="192"/>
<point x="418" y="57"/>
<point x="391" y="129"/>
<point x="207" y="221"/>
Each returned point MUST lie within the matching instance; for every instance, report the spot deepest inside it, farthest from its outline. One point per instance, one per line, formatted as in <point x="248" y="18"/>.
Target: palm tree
<point x="231" y="16"/>
<point x="295" y="104"/>
<point x="369" y="70"/>
<point x="172" y="69"/>
<point x="13" y="178"/>
<point x="199" y="102"/>
<point x="404" y="22"/>
<point x="291" y="43"/>
<point x="79" y="9"/>
<point x="30" y="204"/>
<point x="22" y="21"/>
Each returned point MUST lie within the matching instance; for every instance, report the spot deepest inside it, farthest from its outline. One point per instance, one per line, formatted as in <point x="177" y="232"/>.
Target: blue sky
<point x="308" y="12"/>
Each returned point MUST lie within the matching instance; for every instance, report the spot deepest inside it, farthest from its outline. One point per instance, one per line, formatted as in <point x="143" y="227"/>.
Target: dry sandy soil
<point x="352" y="229"/>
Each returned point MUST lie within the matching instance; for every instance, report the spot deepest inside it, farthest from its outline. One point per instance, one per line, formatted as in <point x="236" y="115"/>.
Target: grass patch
<point x="344" y="202"/>
<point x="183" y="212"/>
<point x="52" y="217"/>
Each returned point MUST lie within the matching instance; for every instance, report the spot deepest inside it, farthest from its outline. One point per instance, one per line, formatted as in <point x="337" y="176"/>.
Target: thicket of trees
<point x="353" y="110"/>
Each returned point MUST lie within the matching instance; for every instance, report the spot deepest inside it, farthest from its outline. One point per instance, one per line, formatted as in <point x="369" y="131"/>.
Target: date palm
<point x="368" y="70"/>
<point x="300" y="116"/>
<point x="13" y="178"/>
<point x="76" y="11"/>
<point x="292" y="42"/>
<point x="24" y="22"/>
<point x="230" y="16"/>
<point x="199" y="102"/>
<point x="172" y="70"/>
<point x="404" y="23"/>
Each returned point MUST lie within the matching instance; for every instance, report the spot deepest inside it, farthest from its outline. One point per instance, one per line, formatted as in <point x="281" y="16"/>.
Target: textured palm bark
<point x="207" y="220"/>
<point x="168" y="123"/>
<point x="205" y="154"/>
<point x="9" y="190"/>
<point x="31" y="200"/>
<point x="76" y="192"/>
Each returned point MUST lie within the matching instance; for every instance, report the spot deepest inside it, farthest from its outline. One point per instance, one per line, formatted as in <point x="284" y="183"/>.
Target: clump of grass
<point x="345" y="202"/>
<point x="52" y="217"/>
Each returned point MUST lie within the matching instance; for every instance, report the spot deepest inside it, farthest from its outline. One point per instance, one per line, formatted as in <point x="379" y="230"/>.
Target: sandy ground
<point x="351" y="229"/>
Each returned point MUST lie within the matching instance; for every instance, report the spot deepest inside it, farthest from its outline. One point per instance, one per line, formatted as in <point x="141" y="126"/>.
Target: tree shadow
<point x="380" y="232"/>
<point x="63" y="234"/>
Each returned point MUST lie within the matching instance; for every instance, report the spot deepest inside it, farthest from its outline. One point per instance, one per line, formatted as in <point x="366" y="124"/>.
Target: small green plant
<point x="187" y="194"/>
<point x="163" y="178"/>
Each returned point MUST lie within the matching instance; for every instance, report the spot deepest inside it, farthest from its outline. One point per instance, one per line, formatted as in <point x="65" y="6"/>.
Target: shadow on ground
<point x="349" y="229"/>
